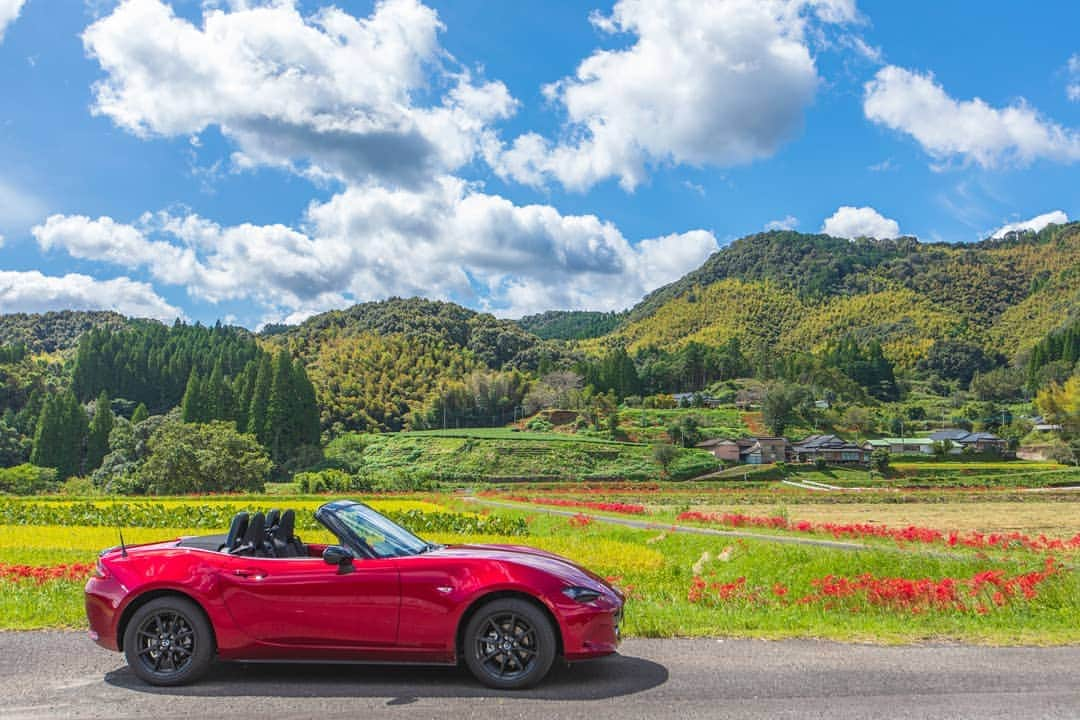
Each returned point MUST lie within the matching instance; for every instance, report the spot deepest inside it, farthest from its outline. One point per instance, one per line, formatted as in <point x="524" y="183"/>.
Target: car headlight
<point x="581" y="594"/>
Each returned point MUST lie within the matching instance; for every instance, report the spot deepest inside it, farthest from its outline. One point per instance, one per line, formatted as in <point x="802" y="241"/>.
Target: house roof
<point x="825" y="442"/>
<point x="955" y="434"/>
<point x="713" y="442"/>
<point x="881" y="442"/>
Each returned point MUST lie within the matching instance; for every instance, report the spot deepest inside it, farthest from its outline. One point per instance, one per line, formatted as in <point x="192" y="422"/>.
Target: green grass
<point x="500" y="454"/>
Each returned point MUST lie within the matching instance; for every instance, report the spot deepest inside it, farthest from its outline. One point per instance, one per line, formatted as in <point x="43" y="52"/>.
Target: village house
<point x="748" y="451"/>
<point x="829" y="448"/>
<point x="902" y="446"/>
<point x="962" y="439"/>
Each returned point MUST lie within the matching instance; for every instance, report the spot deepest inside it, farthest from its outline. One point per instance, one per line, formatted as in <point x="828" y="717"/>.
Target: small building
<point x="748" y="451"/>
<point x="902" y="446"/>
<point x="977" y="441"/>
<point x="829" y="448"/>
<point x="722" y="449"/>
<point x="686" y="399"/>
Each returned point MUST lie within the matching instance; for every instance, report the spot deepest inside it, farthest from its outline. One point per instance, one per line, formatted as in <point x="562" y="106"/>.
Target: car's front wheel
<point x="509" y="644"/>
<point x="168" y="641"/>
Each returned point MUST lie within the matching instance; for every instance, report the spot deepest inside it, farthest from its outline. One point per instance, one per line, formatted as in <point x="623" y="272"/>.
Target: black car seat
<point x="254" y="542"/>
<point x="237" y="530"/>
<point x="283" y="540"/>
<point x="272" y="519"/>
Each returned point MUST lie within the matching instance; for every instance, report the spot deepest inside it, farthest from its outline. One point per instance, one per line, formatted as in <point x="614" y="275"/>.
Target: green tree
<point x="97" y="444"/>
<point x="61" y="435"/>
<point x="783" y="405"/>
<point x="192" y="405"/>
<point x="260" y="400"/>
<point x="1060" y="404"/>
<point x="664" y="455"/>
<point x="879" y="461"/>
<point x="140" y="414"/>
<point x="204" y="457"/>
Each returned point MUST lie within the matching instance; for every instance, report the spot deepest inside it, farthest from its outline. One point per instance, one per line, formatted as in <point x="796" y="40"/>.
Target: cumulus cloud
<point x="328" y="94"/>
<point x="33" y="292"/>
<point x="9" y="10"/>
<point x="855" y="222"/>
<point x="446" y="240"/>
<point x="720" y="83"/>
<point x="968" y="130"/>
<point x="788" y="223"/>
<point x="1035" y="224"/>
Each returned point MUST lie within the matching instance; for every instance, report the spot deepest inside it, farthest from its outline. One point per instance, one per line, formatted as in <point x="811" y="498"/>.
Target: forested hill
<point x="787" y="291"/>
<point x="571" y="324"/>
<point x="411" y="363"/>
<point x="52" y="331"/>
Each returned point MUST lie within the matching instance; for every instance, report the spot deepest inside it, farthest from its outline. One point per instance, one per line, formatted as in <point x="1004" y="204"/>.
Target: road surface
<point x="63" y="674"/>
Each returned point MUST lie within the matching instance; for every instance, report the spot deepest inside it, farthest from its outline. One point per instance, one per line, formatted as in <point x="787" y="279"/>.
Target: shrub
<point x="80" y="486"/>
<point x="27" y="479"/>
<point x="538" y="424"/>
<point x="211" y="457"/>
<point x="820" y="464"/>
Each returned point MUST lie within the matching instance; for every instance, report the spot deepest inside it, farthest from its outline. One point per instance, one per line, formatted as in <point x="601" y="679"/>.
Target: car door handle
<point x="250" y="573"/>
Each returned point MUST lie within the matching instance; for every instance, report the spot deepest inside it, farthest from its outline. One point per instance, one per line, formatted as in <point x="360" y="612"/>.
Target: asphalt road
<point x="56" y="674"/>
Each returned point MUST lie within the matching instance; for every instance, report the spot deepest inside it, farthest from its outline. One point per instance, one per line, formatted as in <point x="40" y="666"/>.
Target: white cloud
<point x="328" y="95"/>
<point x="855" y="222"/>
<point x="788" y="223"/>
<point x="1035" y="224"/>
<point x="1072" y="88"/>
<point x="33" y="292"/>
<point x="447" y="240"/>
<point x="970" y="130"/>
<point x="9" y="10"/>
<point x="719" y="83"/>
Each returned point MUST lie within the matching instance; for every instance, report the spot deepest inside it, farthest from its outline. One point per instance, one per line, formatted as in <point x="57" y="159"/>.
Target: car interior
<point x="269" y="535"/>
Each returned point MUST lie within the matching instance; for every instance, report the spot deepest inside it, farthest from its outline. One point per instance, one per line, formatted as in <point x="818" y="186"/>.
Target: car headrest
<point x="286" y="526"/>
<point x="256" y="531"/>
<point x="237" y="530"/>
<point x="272" y="518"/>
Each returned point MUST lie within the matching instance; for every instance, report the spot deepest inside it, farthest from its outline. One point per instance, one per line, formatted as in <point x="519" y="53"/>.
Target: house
<point x="748" y="451"/>
<point x="962" y="440"/>
<point x="722" y="449"/>
<point x="1041" y="425"/>
<point x="830" y="448"/>
<point x="902" y="446"/>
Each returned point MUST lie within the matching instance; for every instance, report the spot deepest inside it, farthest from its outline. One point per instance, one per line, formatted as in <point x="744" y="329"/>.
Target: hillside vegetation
<point x="786" y="291"/>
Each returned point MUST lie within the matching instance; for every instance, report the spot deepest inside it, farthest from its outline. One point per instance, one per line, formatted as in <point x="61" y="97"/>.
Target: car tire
<point x="169" y="641"/>
<point x="509" y="644"/>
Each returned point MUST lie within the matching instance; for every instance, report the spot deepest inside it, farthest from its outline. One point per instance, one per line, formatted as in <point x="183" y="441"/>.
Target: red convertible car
<point x="381" y="595"/>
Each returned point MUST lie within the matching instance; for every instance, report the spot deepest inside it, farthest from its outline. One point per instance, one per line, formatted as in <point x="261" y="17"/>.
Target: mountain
<point x="782" y="291"/>
<point x="53" y="331"/>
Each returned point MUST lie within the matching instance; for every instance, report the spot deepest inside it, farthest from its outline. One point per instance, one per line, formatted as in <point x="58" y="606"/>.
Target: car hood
<point x="548" y="562"/>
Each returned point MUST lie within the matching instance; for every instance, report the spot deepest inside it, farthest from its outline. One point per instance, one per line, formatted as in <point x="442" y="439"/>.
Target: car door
<point x="306" y="602"/>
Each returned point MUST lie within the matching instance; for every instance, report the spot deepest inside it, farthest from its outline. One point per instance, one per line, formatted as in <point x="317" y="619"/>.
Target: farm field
<point x="678" y="584"/>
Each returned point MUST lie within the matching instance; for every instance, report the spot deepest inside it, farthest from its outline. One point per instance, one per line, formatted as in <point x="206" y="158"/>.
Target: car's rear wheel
<point x="509" y="644"/>
<point x="168" y="641"/>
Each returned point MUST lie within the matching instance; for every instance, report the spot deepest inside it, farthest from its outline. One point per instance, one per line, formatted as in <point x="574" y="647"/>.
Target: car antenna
<point x="119" y="529"/>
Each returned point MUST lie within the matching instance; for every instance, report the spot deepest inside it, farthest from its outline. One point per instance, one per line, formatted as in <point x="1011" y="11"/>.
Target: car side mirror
<point x="340" y="556"/>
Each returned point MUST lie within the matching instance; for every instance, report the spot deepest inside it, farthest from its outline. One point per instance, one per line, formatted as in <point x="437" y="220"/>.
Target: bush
<point x="820" y="464"/>
<point x="538" y="424"/>
<point x="329" y="480"/>
<point x="79" y="486"/>
<point x="211" y="457"/>
<point x="27" y="479"/>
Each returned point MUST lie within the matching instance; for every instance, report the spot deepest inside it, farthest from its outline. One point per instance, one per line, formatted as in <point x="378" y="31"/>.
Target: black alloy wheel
<point x="509" y="644"/>
<point x="168" y="642"/>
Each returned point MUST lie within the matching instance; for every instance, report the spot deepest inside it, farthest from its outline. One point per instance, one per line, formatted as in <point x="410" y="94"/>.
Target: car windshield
<point x="385" y="537"/>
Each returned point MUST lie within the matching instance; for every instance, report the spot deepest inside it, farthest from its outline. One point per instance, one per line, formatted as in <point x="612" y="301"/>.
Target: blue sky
<point x="260" y="161"/>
